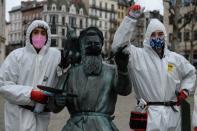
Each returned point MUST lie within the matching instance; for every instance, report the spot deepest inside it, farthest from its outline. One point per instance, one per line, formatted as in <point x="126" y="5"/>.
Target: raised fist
<point x="122" y="60"/>
<point x="135" y="11"/>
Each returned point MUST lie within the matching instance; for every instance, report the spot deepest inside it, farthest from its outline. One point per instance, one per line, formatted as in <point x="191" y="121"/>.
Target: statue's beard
<point x="92" y="65"/>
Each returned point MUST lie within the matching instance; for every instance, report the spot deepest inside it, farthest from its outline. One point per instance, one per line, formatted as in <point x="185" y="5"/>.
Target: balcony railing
<point x="113" y="20"/>
<point x="94" y="17"/>
<point x="103" y="9"/>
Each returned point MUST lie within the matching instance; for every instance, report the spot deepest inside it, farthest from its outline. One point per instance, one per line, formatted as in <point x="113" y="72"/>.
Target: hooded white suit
<point x="22" y="71"/>
<point x="155" y="79"/>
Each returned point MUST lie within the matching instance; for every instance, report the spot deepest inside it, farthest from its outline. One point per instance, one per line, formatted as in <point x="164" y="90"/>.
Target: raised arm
<point x="126" y="29"/>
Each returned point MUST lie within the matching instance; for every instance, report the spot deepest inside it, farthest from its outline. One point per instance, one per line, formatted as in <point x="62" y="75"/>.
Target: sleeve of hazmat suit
<point x="187" y="73"/>
<point x="17" y="94"/>
<point x="124" y="33"/>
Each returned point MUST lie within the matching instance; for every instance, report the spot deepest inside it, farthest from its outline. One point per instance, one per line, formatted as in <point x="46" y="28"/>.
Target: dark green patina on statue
<point x="92" y="86"/>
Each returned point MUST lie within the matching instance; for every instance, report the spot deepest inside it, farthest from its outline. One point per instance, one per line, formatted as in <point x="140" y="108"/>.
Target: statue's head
<point x="91" y="42"/>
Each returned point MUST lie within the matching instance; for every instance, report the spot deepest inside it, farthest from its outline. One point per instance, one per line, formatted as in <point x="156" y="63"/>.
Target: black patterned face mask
<point x="157" y="42"/>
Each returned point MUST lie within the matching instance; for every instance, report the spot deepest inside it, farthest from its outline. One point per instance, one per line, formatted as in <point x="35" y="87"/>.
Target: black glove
<point x="65" y="59"/>
<point x="122" y="60"/>
<point x="76" y="58"/>
<point x="60" y="100"/>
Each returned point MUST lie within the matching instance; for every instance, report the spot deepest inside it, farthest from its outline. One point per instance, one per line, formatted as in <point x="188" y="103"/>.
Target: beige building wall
<point x="58" y="14"/>
<point x="121" y="12"/>
<point x="103" y="14"/>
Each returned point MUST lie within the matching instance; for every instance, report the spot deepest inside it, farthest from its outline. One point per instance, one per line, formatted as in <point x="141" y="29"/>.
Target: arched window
<point x="53" y="7"/>
<point x="45" y="7"/>
<point x="63" y="8"/>
<point x="94" y="2"/>
<point x="81" y="11"/>
<point x="72" y="9"/>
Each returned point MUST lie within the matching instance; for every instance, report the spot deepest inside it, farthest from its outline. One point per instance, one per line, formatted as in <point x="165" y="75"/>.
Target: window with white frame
<point x="17" y="37"/>
<point x="72" y="9"/>
<point x="100" y="4"/>
<point x="100" y="24"/>
<point x="53" y="7"/>
<point x="72" y="21"/>
<point x="63" y="8"/>
<point x="112" y="7"/>
<point x="37" y="15"/>
<point x="100" y="13"/>
<point x="63" y="32"/>
<point x="63" y="20"/>
<point x="81" y="23"/>
<point x="195" y="35"/>
<point x="45" y="17"/>
<point x="105" y="24"/>
<point x="105" y="5"/>
<point x="45" y="7"/>
<point x="105" y="14"/>
<point x="14" y="36"/>
<point x="94" y="2"/>
<point x="10" y="39"/>
<point x="81" y="11"/>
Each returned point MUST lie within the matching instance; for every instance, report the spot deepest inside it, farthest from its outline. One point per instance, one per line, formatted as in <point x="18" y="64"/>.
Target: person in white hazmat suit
<point x="156" y="72"/>
<point x="24" y="69"/>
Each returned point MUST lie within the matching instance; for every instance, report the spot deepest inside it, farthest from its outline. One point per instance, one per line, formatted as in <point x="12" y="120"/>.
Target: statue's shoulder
<point x="75" y="68"/>
<point x="107" y="66"/>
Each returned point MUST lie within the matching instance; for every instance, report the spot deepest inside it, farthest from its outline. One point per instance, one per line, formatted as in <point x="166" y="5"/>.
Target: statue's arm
<point x="53" y="106"/>
<point x="57" y="102"/>
<point x="122" y="83"/>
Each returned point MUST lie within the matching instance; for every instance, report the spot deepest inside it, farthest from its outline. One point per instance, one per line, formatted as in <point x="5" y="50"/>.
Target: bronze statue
<point x="91" y="88"/>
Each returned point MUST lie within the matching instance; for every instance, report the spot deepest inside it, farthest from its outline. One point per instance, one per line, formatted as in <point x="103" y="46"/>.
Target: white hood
<point x="153" y="26"/>
<point x="32" y="26"/>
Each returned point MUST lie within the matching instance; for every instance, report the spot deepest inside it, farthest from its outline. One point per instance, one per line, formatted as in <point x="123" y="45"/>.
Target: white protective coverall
<point x="22" y="71"/>
<point x="155" y="79"/>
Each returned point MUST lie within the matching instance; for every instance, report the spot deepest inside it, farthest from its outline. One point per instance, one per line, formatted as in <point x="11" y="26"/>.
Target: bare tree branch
<point x="190" y="16"/>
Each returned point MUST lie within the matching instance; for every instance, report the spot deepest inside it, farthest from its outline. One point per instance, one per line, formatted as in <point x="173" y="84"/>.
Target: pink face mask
<point x="38" y="41"/>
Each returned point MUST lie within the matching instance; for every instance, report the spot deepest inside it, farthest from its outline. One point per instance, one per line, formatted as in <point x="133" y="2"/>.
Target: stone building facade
<point x="59" y="13"/>
<point x="2" y="30"/>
